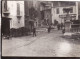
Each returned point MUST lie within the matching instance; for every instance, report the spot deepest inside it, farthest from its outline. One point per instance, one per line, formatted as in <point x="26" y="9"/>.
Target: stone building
<point x="46" y="14"/>
<point x="15" y="8"/>
<point x="54" y="10"/>
<point x="12" y="15"/>
<point x="59" y="14"/>
<point x="57" y="10"/>
<point x="21" y="14"/>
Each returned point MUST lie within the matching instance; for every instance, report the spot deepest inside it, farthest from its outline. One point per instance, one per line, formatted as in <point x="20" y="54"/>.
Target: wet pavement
<point x="44" y="45"/>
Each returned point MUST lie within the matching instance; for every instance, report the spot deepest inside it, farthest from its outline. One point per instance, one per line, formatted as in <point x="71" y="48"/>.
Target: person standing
<point x="58" y="26"/>
<point x="34" y="29"/>
<point x="63" y="30"/>
<point x="61" y="26"/>
<point x="49" y="29"/>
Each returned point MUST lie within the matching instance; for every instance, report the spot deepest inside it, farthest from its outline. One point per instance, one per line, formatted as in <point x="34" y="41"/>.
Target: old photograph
<point x="40" y="28"/>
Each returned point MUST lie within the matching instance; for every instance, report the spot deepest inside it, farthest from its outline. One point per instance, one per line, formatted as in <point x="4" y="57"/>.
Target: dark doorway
<point x="31" y="24"/>
<point x="5" y="26"/>
<point x="42" y="15"/>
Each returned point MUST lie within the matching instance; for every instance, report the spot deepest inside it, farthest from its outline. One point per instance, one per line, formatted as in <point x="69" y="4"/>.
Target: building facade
<point x="59" y="14"/>
<point x="12" y="17"/>
<point x="15" y="8"/>
<point x="46" y="14"/>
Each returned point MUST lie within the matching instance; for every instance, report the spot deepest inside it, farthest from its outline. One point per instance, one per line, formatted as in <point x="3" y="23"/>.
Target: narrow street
<point x="44" y="44"/>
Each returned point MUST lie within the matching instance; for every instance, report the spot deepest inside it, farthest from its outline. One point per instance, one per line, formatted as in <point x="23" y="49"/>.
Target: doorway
<point x="5" y="26"/>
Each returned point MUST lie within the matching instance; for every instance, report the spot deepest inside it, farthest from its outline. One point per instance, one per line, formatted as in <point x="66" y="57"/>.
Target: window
<point x="64" y="11"/>
<point x="57" y="11"/>
<point x="71" y="11"/>
<point x="18" y="9"/>
<point x="5" y="5"/>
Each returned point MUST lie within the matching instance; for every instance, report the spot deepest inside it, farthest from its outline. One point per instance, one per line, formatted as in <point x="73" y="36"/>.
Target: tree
<point x="33" y="13"/>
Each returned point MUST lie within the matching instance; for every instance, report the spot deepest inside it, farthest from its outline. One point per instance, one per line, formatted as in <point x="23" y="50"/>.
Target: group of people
<point x="59" y="27"/>
<point x="34" y="30"/>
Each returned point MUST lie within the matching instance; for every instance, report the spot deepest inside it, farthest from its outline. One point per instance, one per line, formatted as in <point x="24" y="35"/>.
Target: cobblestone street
<point x="44" y="44"/>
